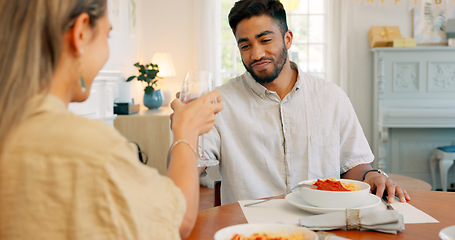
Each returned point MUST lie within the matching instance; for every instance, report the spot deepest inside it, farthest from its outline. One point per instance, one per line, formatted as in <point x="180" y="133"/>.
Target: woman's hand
<point x="196" y="117"/>
<point x="188" y="121"/>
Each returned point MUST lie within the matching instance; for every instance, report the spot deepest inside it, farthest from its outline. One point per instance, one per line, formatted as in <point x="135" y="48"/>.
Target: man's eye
<point x="266" y="40"/>
<point x="244" y="47"/>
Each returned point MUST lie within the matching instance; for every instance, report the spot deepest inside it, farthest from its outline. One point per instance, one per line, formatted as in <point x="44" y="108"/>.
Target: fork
<point x="286" y="193"/>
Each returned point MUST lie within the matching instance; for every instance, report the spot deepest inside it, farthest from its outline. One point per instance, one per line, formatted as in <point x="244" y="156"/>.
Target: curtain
<point x="337" y="52"/>
<point x="207" y="32"/>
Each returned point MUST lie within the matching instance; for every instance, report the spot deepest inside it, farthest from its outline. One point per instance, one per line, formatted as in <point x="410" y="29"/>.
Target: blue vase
<point x="153" y="100"/>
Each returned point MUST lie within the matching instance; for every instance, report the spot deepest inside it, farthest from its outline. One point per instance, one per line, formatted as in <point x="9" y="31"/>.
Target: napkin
<point x="388" y="221"/>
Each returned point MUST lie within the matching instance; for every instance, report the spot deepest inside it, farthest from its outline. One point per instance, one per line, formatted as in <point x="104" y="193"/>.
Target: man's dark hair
<point x="245" y="9"/>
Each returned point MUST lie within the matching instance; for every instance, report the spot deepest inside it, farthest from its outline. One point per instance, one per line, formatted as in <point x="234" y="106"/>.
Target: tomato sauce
<point x="330" y="185"/>
<point x="268" y="236"/>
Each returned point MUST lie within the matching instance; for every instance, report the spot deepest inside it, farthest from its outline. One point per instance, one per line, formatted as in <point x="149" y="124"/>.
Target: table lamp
<point x="165" y="64"/>
<point x="167" y="70"/>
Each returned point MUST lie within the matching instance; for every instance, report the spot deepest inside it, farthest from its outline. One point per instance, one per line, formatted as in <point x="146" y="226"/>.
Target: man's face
<point x="262" y="47"/>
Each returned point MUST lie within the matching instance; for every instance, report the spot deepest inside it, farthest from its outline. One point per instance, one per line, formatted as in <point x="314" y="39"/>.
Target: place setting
<point x="325" y="201"/>
<point x="324" y="210"/>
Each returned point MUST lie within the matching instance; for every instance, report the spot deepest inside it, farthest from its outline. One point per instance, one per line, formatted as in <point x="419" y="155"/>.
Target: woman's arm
<point x="188" y="122"/>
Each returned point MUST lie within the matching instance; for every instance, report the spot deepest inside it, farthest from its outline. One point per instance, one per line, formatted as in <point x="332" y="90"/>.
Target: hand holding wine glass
<point x="188" y="121"/>
<point x="196" y="84"/>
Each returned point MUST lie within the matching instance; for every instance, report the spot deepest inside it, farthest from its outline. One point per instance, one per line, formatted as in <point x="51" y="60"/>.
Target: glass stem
<point x="201" y="147"/>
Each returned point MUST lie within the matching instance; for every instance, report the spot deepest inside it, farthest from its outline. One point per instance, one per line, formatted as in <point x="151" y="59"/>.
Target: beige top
<point x="67" y="177"/>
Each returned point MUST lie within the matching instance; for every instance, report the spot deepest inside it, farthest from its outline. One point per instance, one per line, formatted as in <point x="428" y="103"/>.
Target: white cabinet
<point x="413" y="107"/>
<point x="100" y="104"/>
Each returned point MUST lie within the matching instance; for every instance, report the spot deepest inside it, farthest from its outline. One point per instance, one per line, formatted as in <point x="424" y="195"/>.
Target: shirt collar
<point x="44" y="103"/>
<point x="262" y="91"/>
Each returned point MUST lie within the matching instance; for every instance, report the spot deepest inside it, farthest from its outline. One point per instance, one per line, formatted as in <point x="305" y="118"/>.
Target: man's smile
<point x="261" y="65"/>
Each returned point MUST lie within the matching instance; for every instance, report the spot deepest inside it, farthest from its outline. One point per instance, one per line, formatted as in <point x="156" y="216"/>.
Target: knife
<point x="387" y="204"/>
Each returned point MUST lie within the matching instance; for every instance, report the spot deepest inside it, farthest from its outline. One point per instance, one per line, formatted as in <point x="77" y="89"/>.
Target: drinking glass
<point x="196" y="84"/>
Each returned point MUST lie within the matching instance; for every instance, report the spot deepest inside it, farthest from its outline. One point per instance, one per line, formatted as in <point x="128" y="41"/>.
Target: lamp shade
<point x="165" y="64"/>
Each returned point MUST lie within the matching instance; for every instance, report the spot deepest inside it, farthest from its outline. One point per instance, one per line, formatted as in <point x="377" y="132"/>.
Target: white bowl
<point x="248" y="229"/>
<point x="447" y="233"/>
<point x="336" y="199"/>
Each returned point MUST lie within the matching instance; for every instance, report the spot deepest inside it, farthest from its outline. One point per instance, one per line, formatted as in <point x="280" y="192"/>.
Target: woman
<point x="66" y="177"/>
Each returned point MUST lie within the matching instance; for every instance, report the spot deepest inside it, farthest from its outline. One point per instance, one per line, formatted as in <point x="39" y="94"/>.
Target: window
<point x="307" y="22"/>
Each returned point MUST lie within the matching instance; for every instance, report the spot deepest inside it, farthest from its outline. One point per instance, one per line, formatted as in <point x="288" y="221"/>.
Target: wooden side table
<point x="151" y="130"/>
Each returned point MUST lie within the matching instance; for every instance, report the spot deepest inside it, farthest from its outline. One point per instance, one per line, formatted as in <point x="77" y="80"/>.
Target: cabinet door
<point x="151" y="130"/>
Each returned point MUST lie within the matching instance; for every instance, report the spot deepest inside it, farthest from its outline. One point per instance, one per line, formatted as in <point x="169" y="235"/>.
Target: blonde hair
<point x="31" y="42"/>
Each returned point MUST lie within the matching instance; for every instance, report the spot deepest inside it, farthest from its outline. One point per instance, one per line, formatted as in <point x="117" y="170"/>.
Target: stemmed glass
<point x="196" y="84"/>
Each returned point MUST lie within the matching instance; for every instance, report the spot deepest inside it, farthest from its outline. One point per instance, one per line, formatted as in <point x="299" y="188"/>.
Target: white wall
<point x="161" y="26"/>
<point x="124" y="44"/>
<point x="360" y="88"/>
<point x="168" y="27"/>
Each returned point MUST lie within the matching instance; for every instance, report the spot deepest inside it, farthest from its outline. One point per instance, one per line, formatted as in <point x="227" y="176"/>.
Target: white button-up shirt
<point x="267" y="145"/>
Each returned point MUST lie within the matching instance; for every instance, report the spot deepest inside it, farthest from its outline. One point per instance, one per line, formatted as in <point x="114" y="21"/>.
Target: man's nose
<point x="257" y="52"/>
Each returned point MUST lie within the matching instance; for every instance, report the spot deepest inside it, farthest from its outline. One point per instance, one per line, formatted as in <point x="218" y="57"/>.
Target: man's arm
<point x="378" y="182"/>
<point x="356" y="173"/>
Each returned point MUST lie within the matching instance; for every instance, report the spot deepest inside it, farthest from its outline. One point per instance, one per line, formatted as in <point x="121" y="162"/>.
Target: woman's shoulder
<point x="89" y="131"/>
<point x="68" y="131"/>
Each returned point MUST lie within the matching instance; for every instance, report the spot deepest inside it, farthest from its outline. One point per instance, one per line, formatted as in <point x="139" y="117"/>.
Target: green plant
<point x="147" y="73"/>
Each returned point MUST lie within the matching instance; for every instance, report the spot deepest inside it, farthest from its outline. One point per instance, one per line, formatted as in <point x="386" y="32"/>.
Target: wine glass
<point x="196" y="84"/>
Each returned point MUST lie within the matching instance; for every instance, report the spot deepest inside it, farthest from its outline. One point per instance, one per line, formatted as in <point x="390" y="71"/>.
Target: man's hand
<point x="380" y="183"/>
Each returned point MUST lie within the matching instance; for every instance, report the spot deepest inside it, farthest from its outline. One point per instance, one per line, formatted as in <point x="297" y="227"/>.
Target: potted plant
<point x="153" y="98"/>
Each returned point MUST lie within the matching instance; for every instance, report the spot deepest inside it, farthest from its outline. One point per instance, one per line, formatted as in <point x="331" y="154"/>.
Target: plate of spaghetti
<point x="265" y="232"/>
<point x="336" y="193"/>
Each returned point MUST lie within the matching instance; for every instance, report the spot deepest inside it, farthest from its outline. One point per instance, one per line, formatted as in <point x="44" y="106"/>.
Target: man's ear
<point x="80" y="33"/>
<point x="288" y="36"/>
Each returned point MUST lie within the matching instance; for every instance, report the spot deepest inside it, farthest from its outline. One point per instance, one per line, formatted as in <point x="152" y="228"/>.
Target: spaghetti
<point x="331" y="184"/>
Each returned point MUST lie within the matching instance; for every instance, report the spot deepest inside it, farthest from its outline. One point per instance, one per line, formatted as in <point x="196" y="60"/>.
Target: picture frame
<point x="114" y="15"/>
<point x="132" y="19"/>
<point x="430" y="20"/>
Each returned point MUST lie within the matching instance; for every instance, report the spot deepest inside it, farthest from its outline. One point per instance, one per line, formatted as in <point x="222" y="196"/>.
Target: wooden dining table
<point x="440" y="205"/>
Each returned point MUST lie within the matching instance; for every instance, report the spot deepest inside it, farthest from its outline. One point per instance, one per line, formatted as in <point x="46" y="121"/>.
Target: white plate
<point x="295" y="200"/>
<point x="447" y="233"/>
<point x="248" y="229"/>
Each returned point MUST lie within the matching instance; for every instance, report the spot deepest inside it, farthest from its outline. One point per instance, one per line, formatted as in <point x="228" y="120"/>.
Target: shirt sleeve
<point x="354" y="146"/>
<point x="212" y="143"/>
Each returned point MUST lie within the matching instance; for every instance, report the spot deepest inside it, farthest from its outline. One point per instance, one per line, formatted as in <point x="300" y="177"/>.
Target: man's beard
<point x="278" y="67"/>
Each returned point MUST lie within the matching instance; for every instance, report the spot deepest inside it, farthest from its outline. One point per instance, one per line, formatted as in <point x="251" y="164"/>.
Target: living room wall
<point x="360" y="87"/>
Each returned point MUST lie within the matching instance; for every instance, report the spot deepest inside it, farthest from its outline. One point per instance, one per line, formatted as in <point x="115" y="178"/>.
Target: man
<point x="281" y="126"/>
